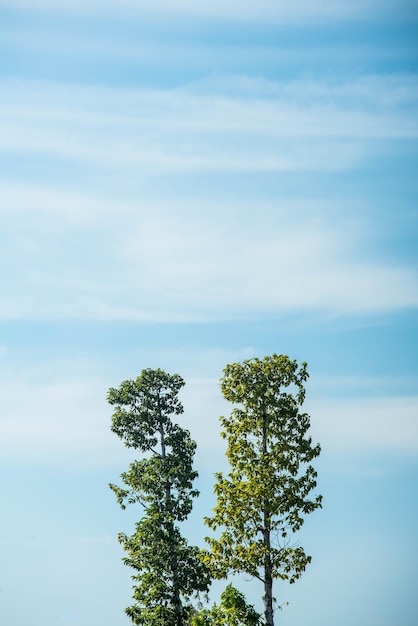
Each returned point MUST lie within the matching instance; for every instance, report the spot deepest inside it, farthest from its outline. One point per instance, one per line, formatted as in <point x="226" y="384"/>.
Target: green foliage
<point x="233" y="610"/>
<point x="264" y="498"/>
<point x="169" y="572"/>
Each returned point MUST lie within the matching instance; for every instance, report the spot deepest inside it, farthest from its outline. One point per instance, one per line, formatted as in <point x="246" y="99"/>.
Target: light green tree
<point x="168" y="570"/>
<point x="233" y="610"/>
<point x="263" y="499"/>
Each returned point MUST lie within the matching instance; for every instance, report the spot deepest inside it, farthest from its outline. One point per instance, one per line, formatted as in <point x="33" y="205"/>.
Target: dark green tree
<point x="168" y="570"/>
<point x="262" y="501"/>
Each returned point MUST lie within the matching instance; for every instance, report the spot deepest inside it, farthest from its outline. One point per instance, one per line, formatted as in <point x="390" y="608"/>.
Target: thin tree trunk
<point x="268" y="579"/>
<point x="176" y="593"/>
<point x="176" y="599"/>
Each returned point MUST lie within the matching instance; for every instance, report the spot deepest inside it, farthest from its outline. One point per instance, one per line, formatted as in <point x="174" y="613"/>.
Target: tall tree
<point x="262" y="501"/>
<point x="169" y="571"/>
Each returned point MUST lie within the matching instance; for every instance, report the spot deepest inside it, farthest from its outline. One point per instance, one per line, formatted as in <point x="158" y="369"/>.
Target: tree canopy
<point x="168" y="570"/>
<point x="265" y="496"/>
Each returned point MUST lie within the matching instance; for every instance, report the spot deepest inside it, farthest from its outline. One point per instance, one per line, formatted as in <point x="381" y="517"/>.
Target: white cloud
<point x="81" y="210"/>
<point x="147" y="262"/>
<point x="263" y="127"/>
<point x="352" y="385"/>
<point x="62" y="420"/>
<point x="379" y="424"/>
<point x="224" y="265"/>
<point x="116" y="252"/>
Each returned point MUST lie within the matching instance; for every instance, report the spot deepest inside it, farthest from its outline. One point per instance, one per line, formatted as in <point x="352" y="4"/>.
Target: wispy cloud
<point x="59" y="421"/>
<point x="117" y="252"/>
<point x="261" y="127"/>
<point x="181" y="264"/>
<point x="177" y="264"/>
<point x="385" y="424"/>
<point x="230" y="266"/>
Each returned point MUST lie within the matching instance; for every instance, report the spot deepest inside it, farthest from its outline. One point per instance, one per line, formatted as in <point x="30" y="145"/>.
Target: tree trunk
<point x="268" y="579"/>
<point x="176" y="599"/>
<point x="177" y="605"/>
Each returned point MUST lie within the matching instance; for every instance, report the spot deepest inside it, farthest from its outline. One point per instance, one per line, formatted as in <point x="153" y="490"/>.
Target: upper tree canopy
<point x="142" y="418"/>
<point x="145" y="405"/>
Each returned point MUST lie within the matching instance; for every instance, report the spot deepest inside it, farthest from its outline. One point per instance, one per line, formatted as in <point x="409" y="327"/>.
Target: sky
<point x="185" y="185"/>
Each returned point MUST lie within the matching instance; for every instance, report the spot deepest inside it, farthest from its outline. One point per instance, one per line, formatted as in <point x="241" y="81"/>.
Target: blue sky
<point x="183" y="187"/>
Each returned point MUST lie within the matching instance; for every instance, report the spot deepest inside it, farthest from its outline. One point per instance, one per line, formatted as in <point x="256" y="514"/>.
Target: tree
<point x="169" y="571"/>
<point x="233" y="610"/>
<point x="265" y="495"/>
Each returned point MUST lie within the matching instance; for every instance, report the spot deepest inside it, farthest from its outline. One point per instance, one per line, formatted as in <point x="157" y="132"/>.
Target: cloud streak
<point x="117" y="252"/>
<point x="261" y="127"/>
<point x="385" y="424"/>
<point x="145" y="262"/>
